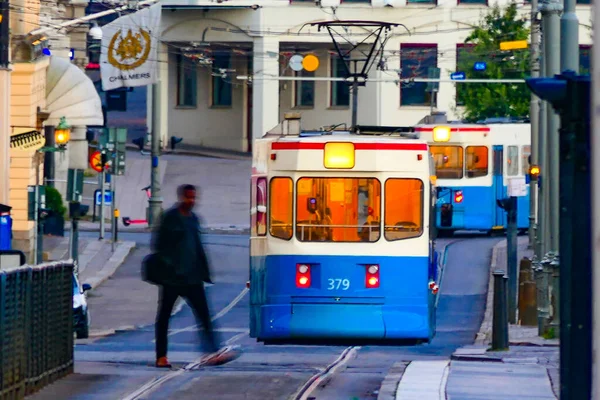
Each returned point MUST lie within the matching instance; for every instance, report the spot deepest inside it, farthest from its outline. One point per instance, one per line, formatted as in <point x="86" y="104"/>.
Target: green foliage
<point x="488" y="100"/>
<point x="54" y="201"/>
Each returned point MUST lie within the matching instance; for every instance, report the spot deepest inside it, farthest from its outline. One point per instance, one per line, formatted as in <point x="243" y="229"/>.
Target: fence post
<point x="500" y="318"/>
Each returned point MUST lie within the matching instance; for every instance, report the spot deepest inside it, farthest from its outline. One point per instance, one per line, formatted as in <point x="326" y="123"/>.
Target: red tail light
<point x="458" y="196"/>
<point x="302" y="275"/>
<point x="372" y="278"/>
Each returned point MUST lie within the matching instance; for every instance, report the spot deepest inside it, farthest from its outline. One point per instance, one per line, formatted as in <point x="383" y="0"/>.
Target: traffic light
<point x="139" y="142"/>
<point x="174" y="141"/>
<point x="534" y="173"/>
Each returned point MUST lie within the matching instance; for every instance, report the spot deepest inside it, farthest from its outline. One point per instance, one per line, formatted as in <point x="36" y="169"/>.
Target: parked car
<point x="81" y="313"/>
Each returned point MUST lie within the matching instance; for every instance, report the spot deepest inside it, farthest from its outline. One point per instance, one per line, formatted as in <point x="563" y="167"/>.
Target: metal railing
<point x="36" y="327"/>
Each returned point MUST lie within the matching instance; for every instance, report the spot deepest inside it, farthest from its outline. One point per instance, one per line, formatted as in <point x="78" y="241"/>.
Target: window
<point x="525" y="158"/>
<point x="422" y="1"/>
<point x="403" y="208"/>
<point x="584" y="59"/>
<point x="448" y="161"/>
<point x="221" y="88"/>
<point x="338" y="210"/>
<point x="304" y="91"/>
<point x="186" y="82"/>
<point x="484" y="2"/>
<point x="261" y="206"/>
<point x="340" y="91"/>
<point x="477" y="161"/>
<point x="465" y="58"/>
<point x="415" y="61"/>
<point x="584" y="2"/>
<point x="281" y="205"/>
<point x="512" y="161"/>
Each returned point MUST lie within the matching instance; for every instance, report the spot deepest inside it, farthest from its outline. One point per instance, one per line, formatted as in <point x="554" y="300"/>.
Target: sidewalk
<point x="97" y="262"/>
<point x="223" y="183"/>
<point x="528" y="370"/>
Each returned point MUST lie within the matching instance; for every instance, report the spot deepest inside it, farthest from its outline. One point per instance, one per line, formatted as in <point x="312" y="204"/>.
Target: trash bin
<point x="5" y="227"/>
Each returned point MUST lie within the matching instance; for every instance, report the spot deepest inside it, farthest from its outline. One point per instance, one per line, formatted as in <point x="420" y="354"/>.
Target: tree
<point x="488" y="100"/>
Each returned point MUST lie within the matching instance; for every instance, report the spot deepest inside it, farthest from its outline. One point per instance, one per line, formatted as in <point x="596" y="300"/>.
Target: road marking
<point x="424" y="380"/>
<point x="155" y="383"/>
<point x="316" y="380"/>
<point x="221" y="313"/>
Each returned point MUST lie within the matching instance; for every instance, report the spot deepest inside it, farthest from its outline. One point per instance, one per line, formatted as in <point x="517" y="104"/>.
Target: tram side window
<point x="448" y="161"/>
<point x="281" y="206"/>
<point x="403" y="208"/>
<point x="513" y="161"/>
<point x="338" y="209"/>
<point x="477" y="161"/>
<point x="525" y="158"/>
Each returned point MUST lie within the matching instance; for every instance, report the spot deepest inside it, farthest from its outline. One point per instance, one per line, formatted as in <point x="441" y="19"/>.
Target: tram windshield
<point x="451" y="162"/>
<point x="448" y="161"/>
<point x="338" y="209"/>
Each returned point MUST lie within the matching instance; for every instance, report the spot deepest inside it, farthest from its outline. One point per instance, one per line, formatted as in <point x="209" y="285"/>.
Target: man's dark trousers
<point x="196" y="298"/>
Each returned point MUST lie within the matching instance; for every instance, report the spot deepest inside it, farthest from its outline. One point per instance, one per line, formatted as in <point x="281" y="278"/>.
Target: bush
<point x="54" y="201"/>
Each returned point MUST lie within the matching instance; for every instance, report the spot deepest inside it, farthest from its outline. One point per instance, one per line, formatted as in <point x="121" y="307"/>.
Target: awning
<point x="71" y="94"/>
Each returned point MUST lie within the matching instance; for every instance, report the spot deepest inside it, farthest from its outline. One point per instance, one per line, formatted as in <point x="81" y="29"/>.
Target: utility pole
<point x="155" y="206"/>
<point x="5" y="73"/>
<point x="534" y="118"/>
<point x="551" y="10"/>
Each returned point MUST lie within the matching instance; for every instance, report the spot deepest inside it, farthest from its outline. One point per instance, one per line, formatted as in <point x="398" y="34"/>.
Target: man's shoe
<point x="162" y="362"/>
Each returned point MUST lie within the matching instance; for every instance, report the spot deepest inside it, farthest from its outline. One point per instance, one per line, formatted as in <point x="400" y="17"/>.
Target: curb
<point x="233" y="230"/>
<point x="113" y="263"/>
<point x="485" y="328"/>
<point x="199" y="153"/>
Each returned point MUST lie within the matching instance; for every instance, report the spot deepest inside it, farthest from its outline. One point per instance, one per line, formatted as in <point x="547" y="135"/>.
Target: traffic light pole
<point x="534" y="118"/>
<point x="551" y="10"/>
<point x="102" y="185"/>
<point x="155" y="201"/>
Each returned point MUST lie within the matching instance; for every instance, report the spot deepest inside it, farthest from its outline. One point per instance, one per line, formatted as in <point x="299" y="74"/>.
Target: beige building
<point x="206" y="45"/>
<point x="41" y="90"/>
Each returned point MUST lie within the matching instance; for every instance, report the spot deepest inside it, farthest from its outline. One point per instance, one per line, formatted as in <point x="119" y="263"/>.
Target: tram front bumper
<point x="344" y="321"/>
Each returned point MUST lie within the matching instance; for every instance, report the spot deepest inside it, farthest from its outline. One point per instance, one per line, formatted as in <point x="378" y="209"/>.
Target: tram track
<point x="327" y="373"/>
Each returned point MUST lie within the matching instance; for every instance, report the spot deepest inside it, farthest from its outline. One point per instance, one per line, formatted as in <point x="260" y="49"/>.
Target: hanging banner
<point x="129" y="51"/>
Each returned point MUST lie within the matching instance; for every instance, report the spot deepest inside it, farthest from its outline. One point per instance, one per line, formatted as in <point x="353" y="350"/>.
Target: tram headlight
<point x="441" y="134"/>
<point x="372" y="277"/>
<point x="303" y="269"/>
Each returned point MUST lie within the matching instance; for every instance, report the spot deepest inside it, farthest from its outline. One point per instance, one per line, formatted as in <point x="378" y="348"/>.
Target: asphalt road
<point x="120" y="366"/>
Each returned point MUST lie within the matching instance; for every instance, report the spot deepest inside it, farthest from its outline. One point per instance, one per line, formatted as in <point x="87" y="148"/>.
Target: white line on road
<point x="155" y="383"/>
<point x="221" y="313"/>
<point x="424" y="380"/>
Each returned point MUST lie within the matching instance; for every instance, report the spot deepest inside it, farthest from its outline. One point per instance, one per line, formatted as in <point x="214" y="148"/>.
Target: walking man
<point x="184" y="269"/>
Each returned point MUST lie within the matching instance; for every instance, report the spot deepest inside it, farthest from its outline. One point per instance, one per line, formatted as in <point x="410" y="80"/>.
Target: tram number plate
<point x="337" y="284"/>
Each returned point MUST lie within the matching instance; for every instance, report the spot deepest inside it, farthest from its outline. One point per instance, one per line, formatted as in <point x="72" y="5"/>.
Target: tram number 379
<point x="336" y="284"/>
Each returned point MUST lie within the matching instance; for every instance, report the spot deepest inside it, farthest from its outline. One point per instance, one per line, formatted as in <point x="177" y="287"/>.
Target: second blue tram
<point x="474" y="166"/>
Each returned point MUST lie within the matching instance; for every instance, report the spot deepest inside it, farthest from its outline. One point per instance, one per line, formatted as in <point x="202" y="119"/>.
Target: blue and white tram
<point x="474" y="164"/>
<point x="341" y="245"/>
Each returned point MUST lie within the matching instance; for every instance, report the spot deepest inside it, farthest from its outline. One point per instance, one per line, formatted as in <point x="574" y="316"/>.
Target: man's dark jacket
<point x="166" y="242"/>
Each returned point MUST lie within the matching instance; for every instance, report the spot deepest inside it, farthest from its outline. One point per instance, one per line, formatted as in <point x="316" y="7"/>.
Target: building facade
<point x="207" y="45"/>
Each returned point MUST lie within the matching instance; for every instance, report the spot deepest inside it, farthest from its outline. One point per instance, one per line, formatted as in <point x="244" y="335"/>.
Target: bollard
<point x="554" y="268"/>
<point x="542" y="297"/>
<point x="500" y="318"/>
<point x="527" y="294"/>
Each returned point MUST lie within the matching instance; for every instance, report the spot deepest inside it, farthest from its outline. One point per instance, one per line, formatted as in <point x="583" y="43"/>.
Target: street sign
<point x="480" y="66"/>
<point x="107" y="197"/>
<point x="458" y="76"/>
<point x="517" y="187"/>
<point x="514" y="45"/>
<point x="74" y="184"/>
<point x="433" y="73"/>
<point x="96" y="161"/>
